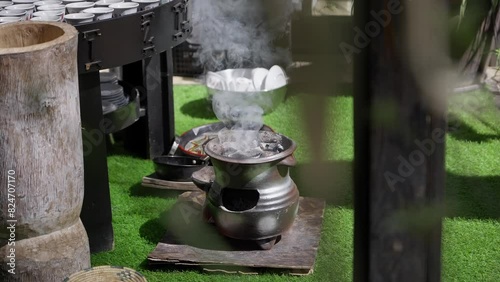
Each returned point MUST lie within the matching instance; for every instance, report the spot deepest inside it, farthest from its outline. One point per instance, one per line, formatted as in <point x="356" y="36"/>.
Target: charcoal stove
<point x="251" y="198"/>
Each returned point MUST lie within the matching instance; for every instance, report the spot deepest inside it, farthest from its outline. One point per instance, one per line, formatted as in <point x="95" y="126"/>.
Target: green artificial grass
<point x="471" y="232"/>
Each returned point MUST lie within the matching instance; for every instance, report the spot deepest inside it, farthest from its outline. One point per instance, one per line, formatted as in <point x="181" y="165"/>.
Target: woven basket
<point x="107" y="274"/>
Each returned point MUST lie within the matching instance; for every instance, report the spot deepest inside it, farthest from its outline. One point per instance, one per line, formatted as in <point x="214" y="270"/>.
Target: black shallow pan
<point x="177" y="168"/>
<point x="199" y="131"/>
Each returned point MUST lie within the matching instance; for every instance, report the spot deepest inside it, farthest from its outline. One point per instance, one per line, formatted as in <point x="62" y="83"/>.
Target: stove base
<point x="191" y="242"/>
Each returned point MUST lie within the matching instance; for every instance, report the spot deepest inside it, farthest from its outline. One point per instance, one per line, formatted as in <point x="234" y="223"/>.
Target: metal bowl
<point x="268" y="100"/>
<point x="177" y="168"/>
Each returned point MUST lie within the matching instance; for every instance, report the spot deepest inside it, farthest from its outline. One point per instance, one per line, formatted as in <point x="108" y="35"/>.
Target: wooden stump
<point x="41" y="168"/>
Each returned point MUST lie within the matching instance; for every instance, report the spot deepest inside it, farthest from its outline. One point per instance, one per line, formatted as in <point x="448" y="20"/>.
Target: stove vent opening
<point x="239" y="199"/>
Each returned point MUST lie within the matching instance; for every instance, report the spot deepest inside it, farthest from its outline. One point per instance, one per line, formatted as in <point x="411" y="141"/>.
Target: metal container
<point x="252" y="198"/>
<point x="177" y="168"/>
<point x="268" y="100"/>
<point x="124" y="116"/>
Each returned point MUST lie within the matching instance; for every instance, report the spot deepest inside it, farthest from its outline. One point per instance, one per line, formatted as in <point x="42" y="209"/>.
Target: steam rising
<point x="242" y="137"/>
<point x="240" y="33"/>
<point x="243" y="121"/>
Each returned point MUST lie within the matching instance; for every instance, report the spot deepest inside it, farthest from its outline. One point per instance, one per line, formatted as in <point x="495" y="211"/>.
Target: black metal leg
<point x="168" y="90"/>
<point x="96" y="210"/>
<point x="160" y="109"/>
<point x="154" y="77"/>
<point x="156" y="132"/>
<point x="137" y="135"/>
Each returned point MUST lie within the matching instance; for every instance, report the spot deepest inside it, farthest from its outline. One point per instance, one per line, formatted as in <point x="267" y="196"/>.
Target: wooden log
<point x="41" y="168"/>
<point x="62" y="252"/>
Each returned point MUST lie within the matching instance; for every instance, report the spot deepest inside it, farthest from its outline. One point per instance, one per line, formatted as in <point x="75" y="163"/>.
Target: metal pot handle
<point x="204" y="178"/>
<point x="289" y="161"/>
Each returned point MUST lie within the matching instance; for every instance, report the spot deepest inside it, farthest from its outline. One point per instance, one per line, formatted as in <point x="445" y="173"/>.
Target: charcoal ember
<point x="242" y="154"/>
<point x="280" y="148"/>
<point x="266" y="154"/>
<point x="231" y="149"/>
<point x="216" y="148"/>
<point x="239" y="155"/>
<point x="269" y="137"/>
<point x="271" y="147"/>
<point x="241" y="144"/>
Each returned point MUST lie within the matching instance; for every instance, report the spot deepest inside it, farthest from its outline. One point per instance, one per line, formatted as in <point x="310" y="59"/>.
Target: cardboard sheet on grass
<point x="194" y="243"/>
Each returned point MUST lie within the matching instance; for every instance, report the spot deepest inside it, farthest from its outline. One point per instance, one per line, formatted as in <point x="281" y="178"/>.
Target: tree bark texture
<point x="41" y="168"/>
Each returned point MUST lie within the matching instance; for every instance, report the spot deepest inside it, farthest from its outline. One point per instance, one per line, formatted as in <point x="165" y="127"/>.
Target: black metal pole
<point x="96" y="210"/>
<point x="154" y="134"/>
<point x="362" y="152"/>
<point x="399" y="140"/>
<point x="160" y="108"/>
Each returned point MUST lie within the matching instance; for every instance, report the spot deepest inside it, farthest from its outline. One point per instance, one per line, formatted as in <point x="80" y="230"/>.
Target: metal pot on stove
<point x="250" y="198"/>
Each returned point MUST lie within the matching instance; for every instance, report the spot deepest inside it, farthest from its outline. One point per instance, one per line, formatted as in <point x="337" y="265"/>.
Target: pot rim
<point x="280" y="156"/>
<point x="158" y="161"/>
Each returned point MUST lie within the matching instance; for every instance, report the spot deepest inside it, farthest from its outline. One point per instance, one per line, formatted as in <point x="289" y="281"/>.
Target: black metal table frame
<point x="141" y="43"/>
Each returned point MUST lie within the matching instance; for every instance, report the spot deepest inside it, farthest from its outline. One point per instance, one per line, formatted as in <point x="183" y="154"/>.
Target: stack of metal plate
<point x="112" y="94"/>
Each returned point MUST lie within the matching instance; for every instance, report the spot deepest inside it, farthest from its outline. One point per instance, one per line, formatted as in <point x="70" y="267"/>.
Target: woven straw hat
<point x="106" y="274"/>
